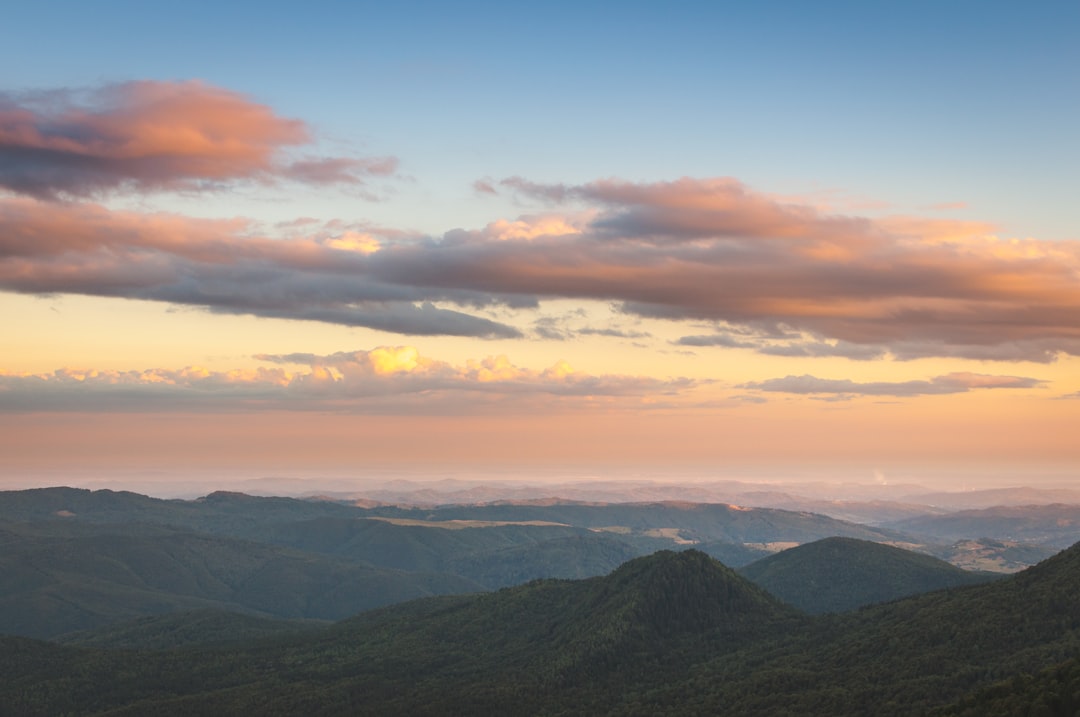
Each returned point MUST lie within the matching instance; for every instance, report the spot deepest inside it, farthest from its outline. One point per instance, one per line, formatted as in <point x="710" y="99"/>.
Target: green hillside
<point x="90" y="576"/>
<point x="838" y="574"/>
<point x="183" y="629"/>
<point x="671" y="633"/>
<point x="410" y="547"/>
<point x="1054" y="691"/>
<point x="575" y="557"/>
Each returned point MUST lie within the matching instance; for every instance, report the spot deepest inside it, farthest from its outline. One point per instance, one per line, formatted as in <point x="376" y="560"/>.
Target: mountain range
<point x="234" y="604"/>
<point x="669" y="633"/>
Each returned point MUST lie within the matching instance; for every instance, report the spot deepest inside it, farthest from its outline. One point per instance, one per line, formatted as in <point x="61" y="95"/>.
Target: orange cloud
<point x="152" y="135"/>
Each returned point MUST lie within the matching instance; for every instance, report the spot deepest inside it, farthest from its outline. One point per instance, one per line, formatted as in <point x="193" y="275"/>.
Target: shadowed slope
<point x="838" y="574"/>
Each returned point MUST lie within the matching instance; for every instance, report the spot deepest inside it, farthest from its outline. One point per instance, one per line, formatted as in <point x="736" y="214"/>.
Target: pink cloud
<point x="151" y="135"/>
<point x="324" y="274"/>
<point x="690" y="250"/>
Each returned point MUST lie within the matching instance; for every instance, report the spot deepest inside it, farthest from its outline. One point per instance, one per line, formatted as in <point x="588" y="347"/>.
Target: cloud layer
<point x="155" y="135"/>
<point x="690" y="250"/>
<point x="387" y="379"/>
<point x="770" y="274"/>
<point x="960" y="382"/>
<point x="227" y="266"/>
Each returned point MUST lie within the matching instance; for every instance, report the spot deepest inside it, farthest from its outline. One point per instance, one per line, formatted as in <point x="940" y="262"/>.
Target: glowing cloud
<point x="152" y="135"/>
<point x="386" y="379"/>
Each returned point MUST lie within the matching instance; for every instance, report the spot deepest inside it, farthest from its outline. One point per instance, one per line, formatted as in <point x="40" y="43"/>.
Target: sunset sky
<point x="721" y="239"/>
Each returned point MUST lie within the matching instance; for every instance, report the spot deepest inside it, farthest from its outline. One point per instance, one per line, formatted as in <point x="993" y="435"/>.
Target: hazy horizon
<point x="825" y="483"/>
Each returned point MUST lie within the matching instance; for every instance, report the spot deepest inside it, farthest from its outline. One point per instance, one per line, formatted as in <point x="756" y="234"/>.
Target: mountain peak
<point x="688" y="591"/>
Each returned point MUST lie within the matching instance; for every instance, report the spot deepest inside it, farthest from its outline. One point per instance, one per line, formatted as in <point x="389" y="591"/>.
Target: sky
<point x="599" y="239"/>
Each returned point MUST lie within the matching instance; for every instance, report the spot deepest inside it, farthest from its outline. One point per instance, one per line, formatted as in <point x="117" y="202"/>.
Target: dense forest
<point x="671" y="633"/>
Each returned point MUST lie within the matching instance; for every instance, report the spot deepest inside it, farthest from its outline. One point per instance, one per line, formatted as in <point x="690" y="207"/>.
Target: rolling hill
<point x="1056" y="525"/>
<point x="83" y="577"/>
<point x="839" y="574"/>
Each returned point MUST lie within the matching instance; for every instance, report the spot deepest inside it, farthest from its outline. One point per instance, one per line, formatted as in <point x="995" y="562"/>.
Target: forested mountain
<point x="839" y="574"/>
<point x="672" y="633"/>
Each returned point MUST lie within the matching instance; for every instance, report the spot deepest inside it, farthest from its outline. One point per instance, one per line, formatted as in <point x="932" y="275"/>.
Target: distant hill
<point x="1056" y="525"/>
<point x="241" y="514"/>
<point x="994" y="497"/>
<point x="734" y="555"/>
<point x="987" y="554"/>
<point x="702" y="522"/>
<point x="839" y="574"/>
<point x="324" y="526"/>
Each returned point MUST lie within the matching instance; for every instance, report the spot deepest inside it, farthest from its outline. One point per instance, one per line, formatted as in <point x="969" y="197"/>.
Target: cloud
<point x="764" y="342"/>
<point x="152" y="135"/>
<point x="615" y="333"/>
<point x="386" y="379"/>
<point x="721" y="339"/>
<point x="484" y="186"/>
<point x="817" y="349"/>
<point x="690" y="249"/>
<point x="227" y="266"/>
<point x="960" y="382"/>
<point x="714" y="249"/>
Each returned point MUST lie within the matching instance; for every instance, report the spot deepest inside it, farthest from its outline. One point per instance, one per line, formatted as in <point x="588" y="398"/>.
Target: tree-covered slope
<point x="672" y="633"/>
<point x="428" y="547"/>
<point x="512" y="650"/>
<point x="82" y="578"/>
<point x="575" y="557"/>
<point x="184" y="629"/>
<point x="838" y="574"/>
<point x="1054" y="692"/>
<point x="903" y="657"/>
